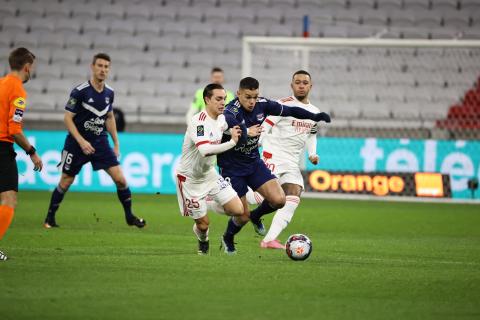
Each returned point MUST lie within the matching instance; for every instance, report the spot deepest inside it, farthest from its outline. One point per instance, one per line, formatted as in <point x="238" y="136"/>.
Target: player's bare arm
<point x="84" y="144"/>
<point x="22" y="141"/>
<point x="112" y="129"/>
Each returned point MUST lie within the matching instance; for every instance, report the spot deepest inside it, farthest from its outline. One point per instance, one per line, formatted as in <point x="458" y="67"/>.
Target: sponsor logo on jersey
<point x="200" y="131"/>
<point x="90" y="100"/>
<point x="19" y="103"/>
<point x="95" y="125"/>
<point x="18" y="115"/>
<point x="260" y="116"/>
<point x="302" y="126"/>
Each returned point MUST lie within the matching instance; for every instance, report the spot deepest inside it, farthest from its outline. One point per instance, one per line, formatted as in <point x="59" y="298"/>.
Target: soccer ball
<point x="298" y="247"/>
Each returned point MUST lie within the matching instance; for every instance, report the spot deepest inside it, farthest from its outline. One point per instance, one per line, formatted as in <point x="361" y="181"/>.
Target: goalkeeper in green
<point x="198" y="104"/>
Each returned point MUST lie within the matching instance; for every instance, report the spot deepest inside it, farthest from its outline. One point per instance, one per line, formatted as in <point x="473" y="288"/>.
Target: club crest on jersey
<point x="200" y="131"/>
<point x="107" y="100"/>
<point x="260" y="116"/>
<point x="19" y="103"/>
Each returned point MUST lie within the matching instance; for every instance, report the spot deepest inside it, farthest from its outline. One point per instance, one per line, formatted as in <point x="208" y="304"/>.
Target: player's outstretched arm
<point x="84" y="144"/>
<point x="112" y="129"/>
<point x="278" y="109"/>
<point x="207" y="149"/>
<point x="301" y="113"/>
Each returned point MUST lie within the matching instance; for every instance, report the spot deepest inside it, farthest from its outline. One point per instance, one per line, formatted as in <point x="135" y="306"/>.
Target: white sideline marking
<point x="317" y="195"/>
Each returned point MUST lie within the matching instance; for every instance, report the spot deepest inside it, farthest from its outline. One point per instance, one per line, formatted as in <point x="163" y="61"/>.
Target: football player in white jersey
<point x="284" y="141"/>
<point x="196" y="176"/>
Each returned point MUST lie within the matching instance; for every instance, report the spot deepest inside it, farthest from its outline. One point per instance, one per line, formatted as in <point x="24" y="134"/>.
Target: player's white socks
<point x="214" y="206"/>
<point x="282" y="218"/>
<point x="254" y="197"/>
<point x="201" y="235"/>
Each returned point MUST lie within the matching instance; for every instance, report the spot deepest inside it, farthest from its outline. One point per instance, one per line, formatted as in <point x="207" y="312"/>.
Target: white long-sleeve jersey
<point x="201" y="143"/>
<point x="284" y="138"/>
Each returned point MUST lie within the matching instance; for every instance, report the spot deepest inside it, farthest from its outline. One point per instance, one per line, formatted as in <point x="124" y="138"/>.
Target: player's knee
<point x="65" y="183"/>
<point x="121" y="183"/>
<point x="237" y="210"/>
<point x="10" y="201"/>
<point x="278" y="201"/>
<point x="202" y="225"/>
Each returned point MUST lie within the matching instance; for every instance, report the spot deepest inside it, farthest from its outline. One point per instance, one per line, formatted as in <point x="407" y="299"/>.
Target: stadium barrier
<point x="149" y="161"/>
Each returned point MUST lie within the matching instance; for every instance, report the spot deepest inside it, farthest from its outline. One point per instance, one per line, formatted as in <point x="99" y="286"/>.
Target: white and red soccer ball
<point x="298" y="247"/>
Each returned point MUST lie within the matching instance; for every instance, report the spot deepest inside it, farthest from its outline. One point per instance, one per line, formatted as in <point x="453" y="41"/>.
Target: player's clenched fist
<point x="236" y="132"/>
<point x="314" y="159"/>
<point x="255" y="130"/>
<point x="322" y="116"/>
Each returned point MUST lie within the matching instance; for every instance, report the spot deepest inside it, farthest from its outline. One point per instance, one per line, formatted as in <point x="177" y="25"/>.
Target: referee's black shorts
<point x="8" y="168"/>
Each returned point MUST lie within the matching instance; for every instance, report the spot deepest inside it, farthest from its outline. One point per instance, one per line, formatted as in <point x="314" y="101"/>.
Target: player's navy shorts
<point x="8" y="168"/>
<point x="255" y="179"/>
<point x="73" y="157"/>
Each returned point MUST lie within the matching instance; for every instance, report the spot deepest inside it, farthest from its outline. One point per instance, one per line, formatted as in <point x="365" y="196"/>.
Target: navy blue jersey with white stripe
<point x="239" y="159"/>
<point x="90" y="108"/>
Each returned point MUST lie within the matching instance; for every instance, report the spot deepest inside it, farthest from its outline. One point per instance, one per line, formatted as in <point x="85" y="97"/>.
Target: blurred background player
<point x="216" y="76"/>
<point x="283" y="141"/>
<point x="242" y="164"/>
<point x="196" y="174"/>
<point x="88" y="114"/>
<point x="12" y="107"/>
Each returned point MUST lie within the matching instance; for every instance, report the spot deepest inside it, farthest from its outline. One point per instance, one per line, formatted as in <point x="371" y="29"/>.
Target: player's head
<point x="21" y="60"/>
<point x="214" y="96"/>
<point x="301" y="84"/>
<point x="100" y="66"/>
<point x="248" y="92"/>
<point x="217" y="76"/>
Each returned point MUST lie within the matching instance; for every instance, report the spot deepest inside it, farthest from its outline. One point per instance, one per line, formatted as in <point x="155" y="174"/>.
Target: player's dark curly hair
<point x="249" y="83"/>
<point x="20" y="57"/>
<point x="102" y="56"/>
<point x="208" y="91"/>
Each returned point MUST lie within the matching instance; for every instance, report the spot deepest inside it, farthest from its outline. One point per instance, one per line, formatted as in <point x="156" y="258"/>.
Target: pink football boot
<point x="274" y="244"/>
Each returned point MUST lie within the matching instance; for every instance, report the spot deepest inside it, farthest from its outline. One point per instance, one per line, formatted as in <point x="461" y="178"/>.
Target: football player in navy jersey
<point x="242" y="165"/>
<point x="88" y="117"/>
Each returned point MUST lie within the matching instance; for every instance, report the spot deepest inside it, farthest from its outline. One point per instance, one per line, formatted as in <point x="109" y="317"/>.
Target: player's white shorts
<point x="290" y="176"/>
<point x="284" y="172"/>
<point x="192" y="196"/>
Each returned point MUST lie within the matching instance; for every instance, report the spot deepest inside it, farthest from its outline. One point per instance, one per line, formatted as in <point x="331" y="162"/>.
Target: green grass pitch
<point x="370" y="260"/>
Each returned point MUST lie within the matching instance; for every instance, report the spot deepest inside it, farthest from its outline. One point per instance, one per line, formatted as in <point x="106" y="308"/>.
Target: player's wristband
<point x="31" y="151"/>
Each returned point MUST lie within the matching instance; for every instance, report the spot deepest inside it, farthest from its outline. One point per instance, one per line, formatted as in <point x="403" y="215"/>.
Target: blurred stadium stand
<point x="162" y="50"/>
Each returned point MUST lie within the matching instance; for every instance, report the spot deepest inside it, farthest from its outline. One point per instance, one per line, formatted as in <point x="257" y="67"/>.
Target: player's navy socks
<point x="232" y="229"/>
<point x="125" y="197"/>
<point x="263" y="209"/>
<point x="56" y="199"/>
